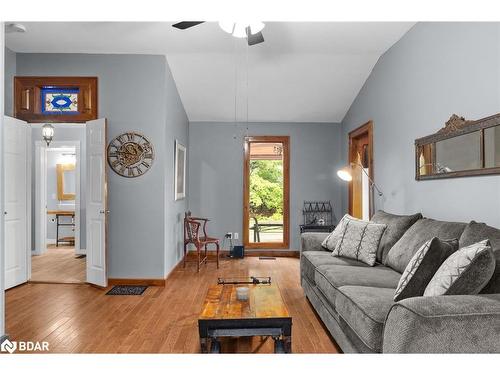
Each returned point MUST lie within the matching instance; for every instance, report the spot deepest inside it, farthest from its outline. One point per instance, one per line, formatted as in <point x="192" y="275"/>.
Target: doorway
<point x="58" y="255"/>
<point x="25" y="209"/>
<point x="266" y="174"/>
<point x="361" y="161"/>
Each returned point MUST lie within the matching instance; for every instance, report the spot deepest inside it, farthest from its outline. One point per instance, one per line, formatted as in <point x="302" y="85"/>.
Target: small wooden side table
<point x="59" y="214"/>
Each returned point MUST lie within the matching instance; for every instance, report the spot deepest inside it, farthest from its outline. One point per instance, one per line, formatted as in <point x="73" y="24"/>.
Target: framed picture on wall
<point x="180" y="171"/>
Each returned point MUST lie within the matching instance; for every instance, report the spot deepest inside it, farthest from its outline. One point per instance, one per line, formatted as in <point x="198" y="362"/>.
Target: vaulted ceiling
<point x="303" y="72"/>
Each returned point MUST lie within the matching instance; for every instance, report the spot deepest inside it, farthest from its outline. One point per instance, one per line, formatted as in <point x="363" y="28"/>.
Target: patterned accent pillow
<point x="331" y="240"/>
<point x="359" y="240"/>
<point x="422" y="267"/>
<point x="466" y="271"/>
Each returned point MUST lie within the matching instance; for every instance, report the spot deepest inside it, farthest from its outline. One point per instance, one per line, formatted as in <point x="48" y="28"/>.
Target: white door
<point x="16" y="226"/>
<point x="96" y="202"/>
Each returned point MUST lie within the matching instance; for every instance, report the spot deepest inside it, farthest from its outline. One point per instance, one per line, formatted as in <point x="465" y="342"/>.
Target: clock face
<point x="130" y="154"/>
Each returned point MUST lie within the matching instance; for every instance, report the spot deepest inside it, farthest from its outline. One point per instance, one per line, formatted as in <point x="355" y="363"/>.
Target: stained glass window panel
<point x="59" y="100"/>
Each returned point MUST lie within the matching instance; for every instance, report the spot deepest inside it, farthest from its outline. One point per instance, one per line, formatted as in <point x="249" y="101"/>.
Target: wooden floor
<point x="82" y="319"/>
<point x="58" y="264"/>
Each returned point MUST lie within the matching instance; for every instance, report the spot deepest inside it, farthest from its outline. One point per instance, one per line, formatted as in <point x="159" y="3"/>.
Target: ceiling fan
<point x="249" y="30"/>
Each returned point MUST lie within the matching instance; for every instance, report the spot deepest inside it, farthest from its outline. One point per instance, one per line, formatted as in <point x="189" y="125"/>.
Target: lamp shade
<point x="345" y="173"/>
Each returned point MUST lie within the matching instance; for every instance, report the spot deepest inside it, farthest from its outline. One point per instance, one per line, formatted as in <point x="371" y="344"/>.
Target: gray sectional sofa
<point x="355" y="301"/>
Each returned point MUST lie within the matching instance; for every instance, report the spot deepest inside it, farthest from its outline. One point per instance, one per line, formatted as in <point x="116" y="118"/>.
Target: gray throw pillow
<point x="333" y="238"/>
<point x="466" y="271"/>
<point x="418" y="234"/>
<point x="397" y="225"/>
<point x="475" y="232"/>
<point x="422" y="267"/>
<point x="359" y="240"/>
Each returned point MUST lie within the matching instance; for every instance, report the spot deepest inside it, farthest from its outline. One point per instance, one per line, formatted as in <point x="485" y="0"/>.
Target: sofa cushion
<point x="466" y="271"/>
<point x="423" y="266"/>
<point x="419" y="233"/>
<point x="328" y="278"/>
<point x="359" y="240"/>
<point x="475" y="232"/>
<point x="397" y="225"/>
<point x="364" y="309"/>
<point x="310" y="260"/>
<point x="330" y="242"/>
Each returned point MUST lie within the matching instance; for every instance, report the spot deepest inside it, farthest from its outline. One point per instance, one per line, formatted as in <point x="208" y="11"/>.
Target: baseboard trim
<point x="148" y="282"/>
<point x="81" y="252"/>
<point x="256" y="253"/>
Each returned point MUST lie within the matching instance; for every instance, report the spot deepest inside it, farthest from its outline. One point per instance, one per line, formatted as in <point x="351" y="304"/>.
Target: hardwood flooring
<point x="58" y="264"/>
<point x="83" y="319"/>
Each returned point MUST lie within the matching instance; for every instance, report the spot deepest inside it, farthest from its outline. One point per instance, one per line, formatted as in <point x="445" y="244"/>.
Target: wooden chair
<point x="192" y="227"/>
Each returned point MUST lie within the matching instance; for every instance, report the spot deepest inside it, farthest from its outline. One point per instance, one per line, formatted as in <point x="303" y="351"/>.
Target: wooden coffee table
<point x="264" y="314"/>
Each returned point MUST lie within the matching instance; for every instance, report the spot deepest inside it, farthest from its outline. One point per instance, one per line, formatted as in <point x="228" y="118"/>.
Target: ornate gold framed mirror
<point x="461" y="148"/>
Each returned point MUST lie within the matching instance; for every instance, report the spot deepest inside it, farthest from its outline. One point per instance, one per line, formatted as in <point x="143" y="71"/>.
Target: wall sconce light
<point x="47" y="133"/>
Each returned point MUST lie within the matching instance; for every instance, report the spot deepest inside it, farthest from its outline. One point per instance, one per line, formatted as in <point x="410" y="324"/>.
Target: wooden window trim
<point x="366" y="128"/>
<point x="27" y="101"/>
<point x="285" y="140"/>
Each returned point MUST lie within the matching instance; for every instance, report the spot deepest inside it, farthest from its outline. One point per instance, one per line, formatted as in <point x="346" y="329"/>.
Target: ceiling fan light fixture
<point x="228" y="27"/>
<point x="255" y="27"/>
<point x="239" y="29"/>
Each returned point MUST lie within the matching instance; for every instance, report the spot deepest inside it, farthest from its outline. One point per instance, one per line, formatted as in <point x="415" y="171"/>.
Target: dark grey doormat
<point x="267" y="258"/>
<point x="127" y="290"/>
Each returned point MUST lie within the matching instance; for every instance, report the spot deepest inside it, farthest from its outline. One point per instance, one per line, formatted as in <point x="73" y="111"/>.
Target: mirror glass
<point x="69" y="181"/>
<point x="460" y="153"/>
<point x="492" y="147"/>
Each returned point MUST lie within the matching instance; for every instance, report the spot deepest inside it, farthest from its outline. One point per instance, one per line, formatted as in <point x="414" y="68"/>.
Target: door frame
<point x="285" y="140"/>
<point x="365" y="129"/>
<point x="41" y="192"/>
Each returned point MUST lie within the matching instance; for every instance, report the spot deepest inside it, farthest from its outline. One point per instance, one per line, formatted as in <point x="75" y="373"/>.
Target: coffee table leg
<point x="204" y="344"/>
<point x="287" y="343"/>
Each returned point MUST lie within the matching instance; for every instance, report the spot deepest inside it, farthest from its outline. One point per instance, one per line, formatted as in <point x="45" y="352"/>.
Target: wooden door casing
<point x="285" y="140"/>
<point x="359" y="139"/>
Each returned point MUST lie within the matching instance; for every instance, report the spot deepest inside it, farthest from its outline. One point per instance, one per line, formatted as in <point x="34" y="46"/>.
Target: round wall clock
<point x="130" y="154"/>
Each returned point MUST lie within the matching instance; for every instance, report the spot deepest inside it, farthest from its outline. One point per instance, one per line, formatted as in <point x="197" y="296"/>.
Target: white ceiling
<point x="303" y="72"/>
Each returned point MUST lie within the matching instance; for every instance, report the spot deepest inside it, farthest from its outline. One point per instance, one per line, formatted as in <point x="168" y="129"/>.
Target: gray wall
<point x="10" y="72"/>
<point x="132" y="96"/>
<point x="177" y="128"/>
<point x="216" y="170"/>
<point x="435" y="70"/>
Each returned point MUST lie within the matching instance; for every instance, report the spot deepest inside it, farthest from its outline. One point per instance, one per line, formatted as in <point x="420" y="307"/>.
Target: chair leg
<point x="198" y="250"/>
<point x="185" y="253"/>
<point x="218" y="248"/>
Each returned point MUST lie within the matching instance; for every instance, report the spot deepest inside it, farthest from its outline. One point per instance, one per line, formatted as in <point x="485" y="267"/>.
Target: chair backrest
<point x="191" y="228"/>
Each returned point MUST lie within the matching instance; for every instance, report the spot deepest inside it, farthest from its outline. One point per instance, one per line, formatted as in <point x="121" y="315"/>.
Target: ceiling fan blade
<point x="186" y="24"/>
<point x="254" y="38"/>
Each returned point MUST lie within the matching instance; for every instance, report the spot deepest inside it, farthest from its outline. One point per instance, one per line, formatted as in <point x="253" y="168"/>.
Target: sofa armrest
<point x="444" y="324"/>
<point x="312" y="241"/>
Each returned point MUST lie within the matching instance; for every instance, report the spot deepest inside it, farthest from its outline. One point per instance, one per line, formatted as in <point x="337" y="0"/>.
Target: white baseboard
<point x="81" y="252"/>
